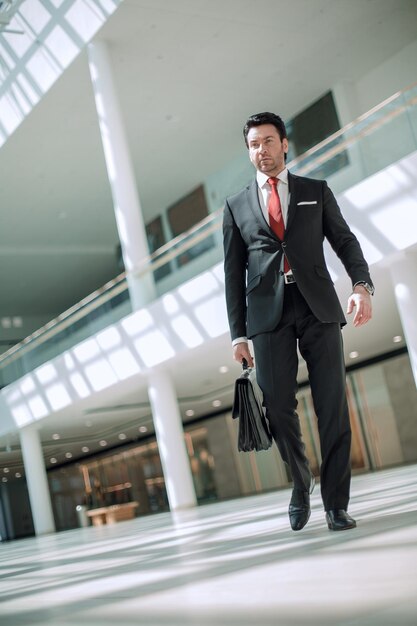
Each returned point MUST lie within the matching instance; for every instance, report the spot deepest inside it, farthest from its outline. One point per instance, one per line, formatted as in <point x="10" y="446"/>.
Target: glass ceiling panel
<point x="38" y="41"/>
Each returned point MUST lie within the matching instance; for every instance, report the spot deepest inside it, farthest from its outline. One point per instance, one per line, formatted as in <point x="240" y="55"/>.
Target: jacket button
<point x="284" y="244"/>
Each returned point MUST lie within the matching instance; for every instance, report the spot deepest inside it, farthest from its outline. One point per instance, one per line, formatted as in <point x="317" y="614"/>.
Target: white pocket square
<point x="312" y="202"/>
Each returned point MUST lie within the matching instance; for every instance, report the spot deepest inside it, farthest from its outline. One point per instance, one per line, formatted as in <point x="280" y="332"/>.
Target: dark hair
<point x="265" y="118"/>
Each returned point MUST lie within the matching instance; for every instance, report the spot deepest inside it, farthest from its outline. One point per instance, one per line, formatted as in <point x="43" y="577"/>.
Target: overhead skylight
<point x="38" y="40"/>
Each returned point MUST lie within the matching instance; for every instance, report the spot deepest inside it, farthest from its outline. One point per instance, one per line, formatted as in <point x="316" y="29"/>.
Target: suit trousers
<point x="320" y="344"/>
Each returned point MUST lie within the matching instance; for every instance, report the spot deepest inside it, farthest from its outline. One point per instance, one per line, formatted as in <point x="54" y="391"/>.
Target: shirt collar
<point x="262" y="178"/>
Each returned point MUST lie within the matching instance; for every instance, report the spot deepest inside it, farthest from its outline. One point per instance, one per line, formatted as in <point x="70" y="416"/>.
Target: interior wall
<point x="356" y="98"/>
<point x="399" y="72"/>
<point x="10" y="334"/>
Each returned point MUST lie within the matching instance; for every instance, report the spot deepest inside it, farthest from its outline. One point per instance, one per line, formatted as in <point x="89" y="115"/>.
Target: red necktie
<point x="276" y="219"/>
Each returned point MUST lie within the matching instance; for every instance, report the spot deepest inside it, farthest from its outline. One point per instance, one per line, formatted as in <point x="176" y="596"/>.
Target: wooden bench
<point x="112" y="514"/>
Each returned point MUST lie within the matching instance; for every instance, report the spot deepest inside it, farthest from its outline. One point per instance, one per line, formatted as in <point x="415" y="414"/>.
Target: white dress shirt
<point x="264" y="193"/>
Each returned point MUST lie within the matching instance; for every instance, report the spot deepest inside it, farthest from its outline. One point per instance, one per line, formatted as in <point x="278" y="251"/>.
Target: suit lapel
<point x="253" y="201"/>
<point x="292" y="201"/>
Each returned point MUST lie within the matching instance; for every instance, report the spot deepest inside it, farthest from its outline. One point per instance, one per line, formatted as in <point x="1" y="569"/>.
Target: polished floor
<point x="234" y="563"/>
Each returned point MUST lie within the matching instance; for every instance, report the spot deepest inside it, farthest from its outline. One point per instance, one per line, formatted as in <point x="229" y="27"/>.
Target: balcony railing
<point x="372" y="142"/>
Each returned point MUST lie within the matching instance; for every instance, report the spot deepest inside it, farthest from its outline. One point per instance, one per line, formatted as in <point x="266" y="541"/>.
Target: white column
<point x="37" y="481"/>
<point x="170" y="437"/>
<point x="404" y="278"/>
<point x="121" y="176"/>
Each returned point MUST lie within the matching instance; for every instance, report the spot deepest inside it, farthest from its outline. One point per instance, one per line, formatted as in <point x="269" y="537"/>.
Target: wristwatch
<point x="369" y="288"/>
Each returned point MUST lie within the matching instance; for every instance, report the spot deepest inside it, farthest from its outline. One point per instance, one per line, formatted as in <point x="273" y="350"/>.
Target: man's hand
<point x="241" y="351"/>
<point x="360" y="299"/>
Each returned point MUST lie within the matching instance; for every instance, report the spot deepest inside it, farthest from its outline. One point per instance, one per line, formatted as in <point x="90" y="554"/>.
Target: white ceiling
<point x="188" y="73"/>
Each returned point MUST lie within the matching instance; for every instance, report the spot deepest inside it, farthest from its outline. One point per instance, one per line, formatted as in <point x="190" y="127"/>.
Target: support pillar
<point x="37" y="481"/>
<point x="120" y="171"/>
<point x="170" y="437"/>
<point x="404" y="279"/>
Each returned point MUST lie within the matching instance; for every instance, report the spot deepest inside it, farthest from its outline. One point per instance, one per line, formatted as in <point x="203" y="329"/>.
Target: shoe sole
<point x="330" y="527"/>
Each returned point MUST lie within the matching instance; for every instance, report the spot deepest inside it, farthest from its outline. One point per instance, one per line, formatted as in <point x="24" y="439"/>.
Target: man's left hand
<point x="360" y="299"/>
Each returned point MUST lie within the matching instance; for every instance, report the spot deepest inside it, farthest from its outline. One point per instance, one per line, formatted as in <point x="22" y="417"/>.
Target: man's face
<point x="266" y="150"/>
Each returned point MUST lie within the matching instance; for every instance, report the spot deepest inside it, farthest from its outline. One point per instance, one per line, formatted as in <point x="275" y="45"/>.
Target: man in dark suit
<point x="279" y="293"/>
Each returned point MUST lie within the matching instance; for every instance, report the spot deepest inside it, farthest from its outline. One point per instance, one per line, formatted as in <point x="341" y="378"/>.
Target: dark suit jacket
<point x="254" y="256"/>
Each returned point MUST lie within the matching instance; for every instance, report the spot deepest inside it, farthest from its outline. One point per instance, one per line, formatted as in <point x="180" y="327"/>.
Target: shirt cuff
<point x="239" y="340"/>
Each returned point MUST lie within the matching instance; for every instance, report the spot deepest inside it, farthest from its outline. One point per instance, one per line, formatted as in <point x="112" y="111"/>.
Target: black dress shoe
<point x="299" y="510"/>
<point x="338" y="519"/>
